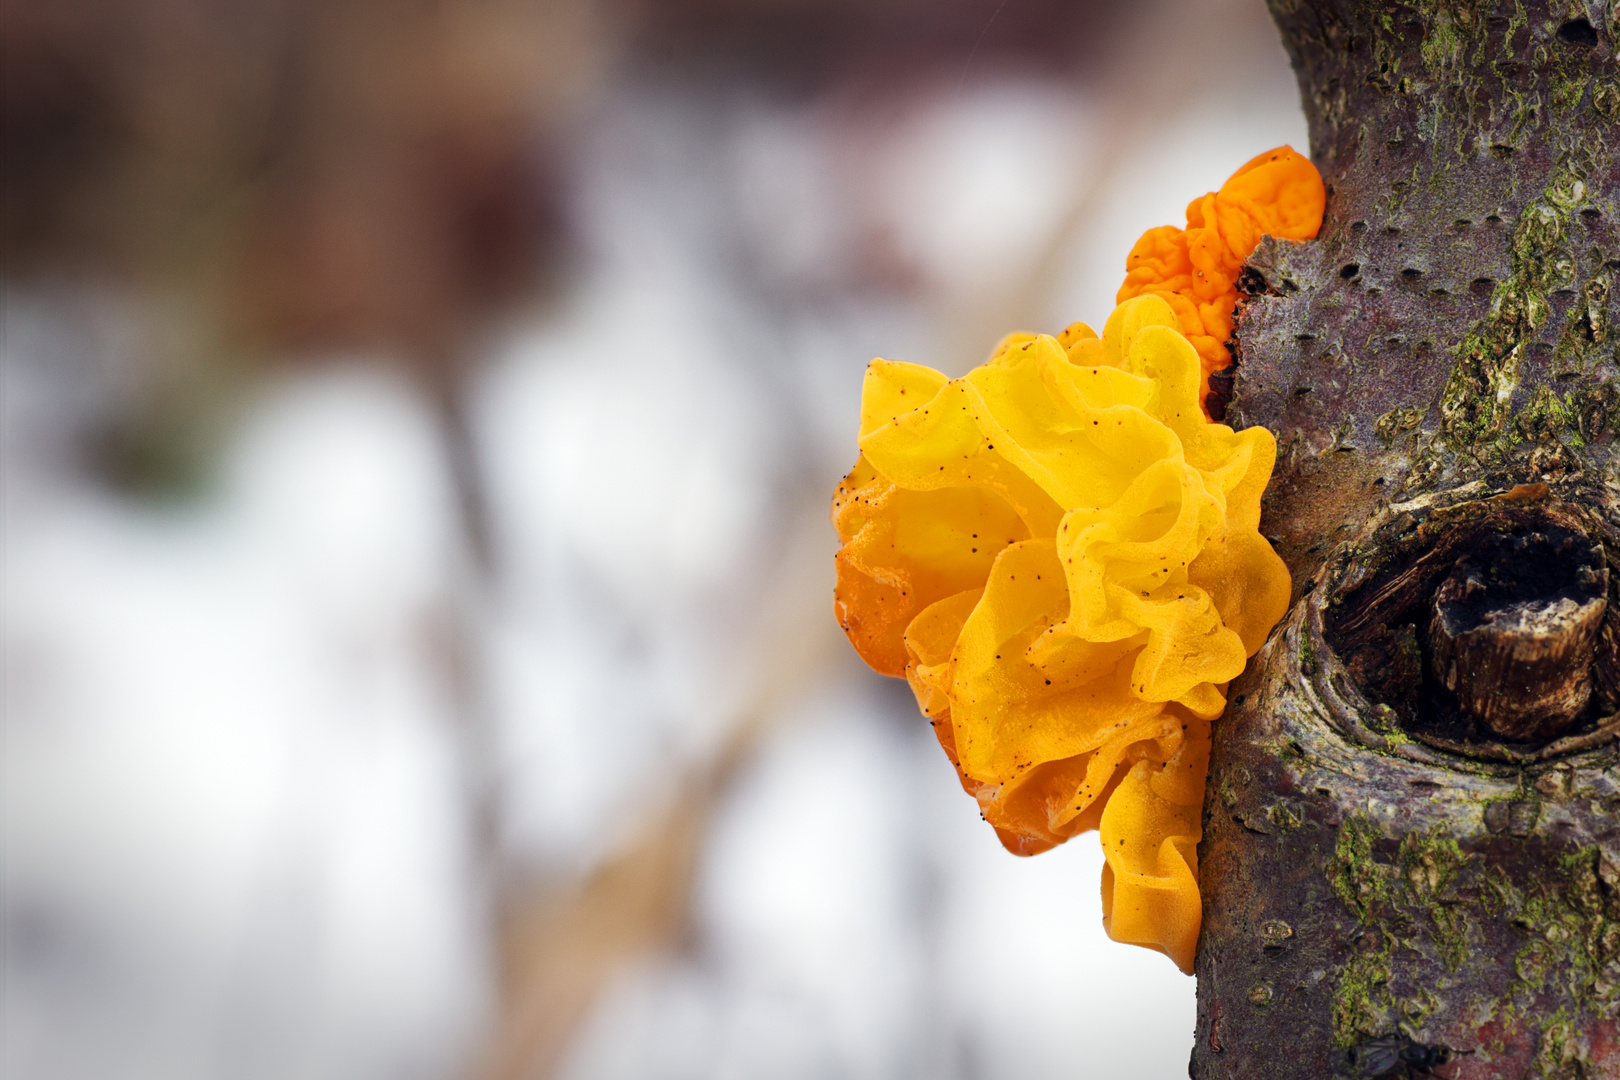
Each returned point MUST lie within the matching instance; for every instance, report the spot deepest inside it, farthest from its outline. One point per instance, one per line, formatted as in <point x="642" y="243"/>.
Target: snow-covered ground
<point x="266" y="755"/>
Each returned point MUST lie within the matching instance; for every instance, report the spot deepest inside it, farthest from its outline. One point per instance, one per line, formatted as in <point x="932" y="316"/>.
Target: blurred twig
<point x="563" y="944"/>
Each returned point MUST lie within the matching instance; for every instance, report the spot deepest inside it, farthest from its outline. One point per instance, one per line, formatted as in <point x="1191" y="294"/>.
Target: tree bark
<point x="1380" y="861"/>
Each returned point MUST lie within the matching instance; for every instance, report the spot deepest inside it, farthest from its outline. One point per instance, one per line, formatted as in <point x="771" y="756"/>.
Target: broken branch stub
<point x="1513" y="627"/>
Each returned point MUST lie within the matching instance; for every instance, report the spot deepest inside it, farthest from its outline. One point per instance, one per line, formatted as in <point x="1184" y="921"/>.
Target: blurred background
<point x="419" y="420"/>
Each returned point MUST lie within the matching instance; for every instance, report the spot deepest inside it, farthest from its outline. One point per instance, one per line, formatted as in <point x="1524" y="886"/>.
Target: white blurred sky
<point x="243" y="799"/>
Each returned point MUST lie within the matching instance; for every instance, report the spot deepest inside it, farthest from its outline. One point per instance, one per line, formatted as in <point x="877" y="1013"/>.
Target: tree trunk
<point x="1412" y="832"/>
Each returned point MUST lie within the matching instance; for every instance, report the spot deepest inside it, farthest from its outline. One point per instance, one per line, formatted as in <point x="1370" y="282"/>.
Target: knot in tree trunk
<point x="1513" y="630"/>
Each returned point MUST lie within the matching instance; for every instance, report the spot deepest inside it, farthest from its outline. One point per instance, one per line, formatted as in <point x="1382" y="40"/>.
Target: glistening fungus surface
<point x="1062" y="556"/>
<point x="1061" y="553"/>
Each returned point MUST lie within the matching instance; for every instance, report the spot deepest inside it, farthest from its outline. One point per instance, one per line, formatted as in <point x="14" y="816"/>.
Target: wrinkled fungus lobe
<point x="1062" y="555"/>
<point x="1196" y="269"/>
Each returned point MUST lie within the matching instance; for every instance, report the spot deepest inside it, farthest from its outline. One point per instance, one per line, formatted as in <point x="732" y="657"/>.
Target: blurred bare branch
<point x="562" y="943"/>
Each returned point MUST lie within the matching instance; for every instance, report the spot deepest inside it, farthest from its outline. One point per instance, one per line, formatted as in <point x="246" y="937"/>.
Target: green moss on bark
<point x="1429" y="898"/>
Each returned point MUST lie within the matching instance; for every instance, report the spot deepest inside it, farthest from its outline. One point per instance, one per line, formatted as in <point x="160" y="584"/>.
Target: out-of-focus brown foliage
<point x="811" y="41"/>
<point x="295" y="177"/>
<point x="365" y="172"/>
<point x="410" y="185"/>
<point x="333" y="173"/>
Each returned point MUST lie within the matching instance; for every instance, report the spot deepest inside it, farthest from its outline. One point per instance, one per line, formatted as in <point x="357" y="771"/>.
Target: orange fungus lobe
<point x="1195" y="269"/>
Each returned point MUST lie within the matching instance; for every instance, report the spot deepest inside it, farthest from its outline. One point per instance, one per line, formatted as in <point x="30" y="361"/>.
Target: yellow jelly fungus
<point x="1062" y="555"/>
<point x="1196" y="269"/>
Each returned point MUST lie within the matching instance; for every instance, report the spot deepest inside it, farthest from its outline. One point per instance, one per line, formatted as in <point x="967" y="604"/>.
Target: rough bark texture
<point x="1440" y="367"/>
